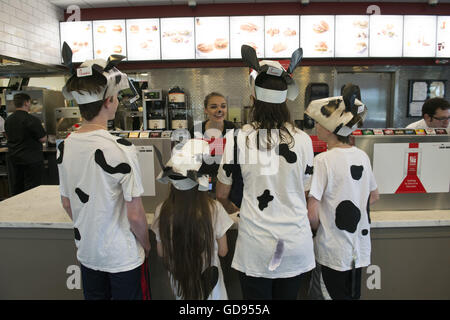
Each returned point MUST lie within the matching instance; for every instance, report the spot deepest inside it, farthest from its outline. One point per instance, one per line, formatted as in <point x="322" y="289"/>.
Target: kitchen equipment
<point x="67" y="120"/>
<point x="177" y="109"/>
<point x="154" y="104"/>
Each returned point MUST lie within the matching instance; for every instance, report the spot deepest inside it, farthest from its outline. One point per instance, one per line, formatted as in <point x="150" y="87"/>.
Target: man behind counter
<point x="435" y="113"/>
<point x="25" y="136"/>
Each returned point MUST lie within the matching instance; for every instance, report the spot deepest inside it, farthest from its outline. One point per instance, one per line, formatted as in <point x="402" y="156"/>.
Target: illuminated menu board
<point x="109" y="38"/>
<point x="317" y="36"/>
<point x="247" y="30"/>
<point x="386" y="36"/>
<point x="443" y="37"/>
<point x="143" y="39"/>
<point x="419" y="36"/>
<point x="281" y="36"/>
<point x="177" y="38"/>
<point x="352" y="36"/>
<point x="212" y="37"/>
<point x="78" y="35"/>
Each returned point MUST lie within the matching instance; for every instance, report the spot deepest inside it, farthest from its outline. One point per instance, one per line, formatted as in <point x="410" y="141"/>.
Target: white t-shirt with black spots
<point x="273" y="213"/>
<point x="221" y="223"/>
<point x="98" y="172"/>
<point x="342" y="182"/>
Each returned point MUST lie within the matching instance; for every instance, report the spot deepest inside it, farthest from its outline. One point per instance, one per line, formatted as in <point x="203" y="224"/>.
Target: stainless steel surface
<point x="65" y="119"/>
<point x="164" y="145"/>
<point x="43" y="105"/>
<point x="416" y="201"/>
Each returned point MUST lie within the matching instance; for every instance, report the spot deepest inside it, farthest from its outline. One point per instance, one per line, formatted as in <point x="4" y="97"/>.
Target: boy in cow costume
<point x="100" y="186"/>
<point x="342" y="188"/>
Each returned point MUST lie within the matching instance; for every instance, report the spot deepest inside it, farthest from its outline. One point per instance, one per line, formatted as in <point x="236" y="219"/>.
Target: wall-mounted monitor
<point x="317" y="36"/>
<point x="177" y="39"/>
<point x="281" y="36"/>
<point x="419" y="38"/>
<point x="443" y="37"/>
<point x="143" y="39"/>
<point x="109" y="38"/>
<point x="386" y="36"/>
<point x="352" y="36"/>
<point x="78" y="35"/>
<point x="212" y="37"/>
<point x="247" y="30"/>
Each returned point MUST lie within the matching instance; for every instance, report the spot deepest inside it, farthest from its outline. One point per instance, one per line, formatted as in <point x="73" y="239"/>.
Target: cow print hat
<point x="267" y="69"/>
<point x="340" y="115"/>
<point x="115" y="80"/>
<point x="186" y="168"/>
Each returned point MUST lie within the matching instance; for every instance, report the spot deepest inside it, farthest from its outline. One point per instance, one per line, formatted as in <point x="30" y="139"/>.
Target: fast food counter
<point x="409" y="253"/>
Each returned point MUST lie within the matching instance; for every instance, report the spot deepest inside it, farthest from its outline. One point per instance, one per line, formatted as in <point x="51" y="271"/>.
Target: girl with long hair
<point x="191" y="227"/>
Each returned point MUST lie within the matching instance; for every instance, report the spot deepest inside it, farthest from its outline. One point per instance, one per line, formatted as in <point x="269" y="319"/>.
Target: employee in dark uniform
<point x="216" y="127"/>
<point x="25" y="136"/>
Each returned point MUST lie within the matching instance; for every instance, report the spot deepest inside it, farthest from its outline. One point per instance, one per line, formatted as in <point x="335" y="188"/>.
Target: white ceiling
<point x="131" y="3"/>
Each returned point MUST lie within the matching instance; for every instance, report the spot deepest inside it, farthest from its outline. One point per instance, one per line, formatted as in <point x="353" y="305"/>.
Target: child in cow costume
<point x="342" y="188"/>
<point x="100" y="186"/>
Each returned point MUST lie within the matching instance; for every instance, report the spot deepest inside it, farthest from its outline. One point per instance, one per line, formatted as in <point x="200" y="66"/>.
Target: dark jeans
<point x="269" y="289"/>
<point x="24" y="177"/>
<point x="128" y="285"/>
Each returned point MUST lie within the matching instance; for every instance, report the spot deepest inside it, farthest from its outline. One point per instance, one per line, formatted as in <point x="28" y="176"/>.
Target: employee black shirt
<point x="23" y="132"/>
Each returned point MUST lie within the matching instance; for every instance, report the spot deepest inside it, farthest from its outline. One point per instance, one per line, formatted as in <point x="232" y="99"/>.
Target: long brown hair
<point x="187" y="238"/>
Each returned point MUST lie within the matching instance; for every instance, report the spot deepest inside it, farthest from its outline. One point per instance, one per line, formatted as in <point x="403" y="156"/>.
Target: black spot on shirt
<point x="209" y="279"/>
<point x="356" y="172"/>
<point x="368" y="209"/>
<point x="101" y="161"/>
<point x="124" y="142"/>
<point x="283" y="151"/>
<point x="81" y="195"/>
<point x="365" y="232"/>
<point x="309" y="170"/>
<point x="77" y="234"/>
<point x="61" y="152"/>
<point x="264" y="200"/>
<point x="347" y="216"/>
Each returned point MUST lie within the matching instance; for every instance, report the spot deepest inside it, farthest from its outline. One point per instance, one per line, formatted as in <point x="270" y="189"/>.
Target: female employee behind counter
<point x="216" y="127"/>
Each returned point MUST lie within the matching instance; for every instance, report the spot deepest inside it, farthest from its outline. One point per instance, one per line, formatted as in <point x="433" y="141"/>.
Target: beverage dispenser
<point x="178" y="112"/>
<point x="154" y="110"/>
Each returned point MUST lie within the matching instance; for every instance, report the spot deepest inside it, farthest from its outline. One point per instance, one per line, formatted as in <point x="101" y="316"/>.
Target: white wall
<point x="29" y="30"/>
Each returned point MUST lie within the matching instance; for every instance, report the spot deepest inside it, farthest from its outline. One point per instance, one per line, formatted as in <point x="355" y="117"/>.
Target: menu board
<point x="386" y="36"/>
<point x="109" y="38"/>
<point x="247" y="30"/>
<point x="317" y="36"/>
<point x="443" y="37"/>
<point x="78" y="35"/>
<point x="281" y="36"/>
<point x="419" y="36"/>
<point x="143" y="39"/>
<point x="212" y="37"/>
<point x="177" y="38"/>
<point x="352" y="36"/>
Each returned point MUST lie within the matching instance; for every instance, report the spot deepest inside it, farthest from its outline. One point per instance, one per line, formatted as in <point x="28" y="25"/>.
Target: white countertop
<point x="41" y="208"/>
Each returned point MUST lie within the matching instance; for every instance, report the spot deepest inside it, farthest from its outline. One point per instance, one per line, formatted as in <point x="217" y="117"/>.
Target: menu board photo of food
<point x="247" y="30"/>
<point x="352" y="36"/>
<point x="419" y="38"/>
<point x="212" y="37"/>
<point x="143" y="40"/>
<point x="78" y="35"/>
<point x="386" y="36"/>
<point x="443" y="37"/>
<point x="281" y="36"/>
<point x="109" y="38"/>
<point x="177" y="38"/>
<point x="317" y="36"/>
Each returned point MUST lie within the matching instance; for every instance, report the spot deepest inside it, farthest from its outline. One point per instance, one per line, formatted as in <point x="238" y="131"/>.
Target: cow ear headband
<point x="273" y="68"/>
<point x="116" y="81"/>
<point x="340" y="115"/>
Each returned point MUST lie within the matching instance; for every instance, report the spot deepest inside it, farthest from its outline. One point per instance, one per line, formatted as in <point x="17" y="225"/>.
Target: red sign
<point x="412" y="183"/>
<point x="216" y="146"/>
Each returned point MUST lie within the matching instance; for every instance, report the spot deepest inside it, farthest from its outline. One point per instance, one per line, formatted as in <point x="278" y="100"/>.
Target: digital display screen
<point x="212" y="37"/>
<point x="152" y="95"/>
<point x="419" y="36"/>
<point x="281" y="36"/>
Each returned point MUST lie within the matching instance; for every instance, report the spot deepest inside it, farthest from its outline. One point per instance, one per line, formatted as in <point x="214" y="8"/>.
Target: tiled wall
<point x="29" y="30"/>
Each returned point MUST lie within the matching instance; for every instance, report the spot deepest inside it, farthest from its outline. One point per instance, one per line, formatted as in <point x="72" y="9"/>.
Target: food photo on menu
<point x="352" y="36"/>
<point x="317" y="36"/>
<point x="212" y="37"/>
<point x="419" y="36"/>
<point x="281" y="36"/>
<point x="78" y="35"/>
<point x="443" y="37"/>
<point x="109" y="38"/>
<point x="247" y="30"/>
<point x="177" y="38"/>
<point x="143" y="39"/>
<point x="386" y="35"/>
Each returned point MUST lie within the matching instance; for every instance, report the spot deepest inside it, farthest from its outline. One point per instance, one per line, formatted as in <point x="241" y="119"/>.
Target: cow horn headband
<point x="115" y="80"/>
<point x="273" y="68"/>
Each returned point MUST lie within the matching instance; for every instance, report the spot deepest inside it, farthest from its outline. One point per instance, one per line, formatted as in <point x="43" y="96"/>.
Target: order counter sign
<point x="147" y="165"/>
